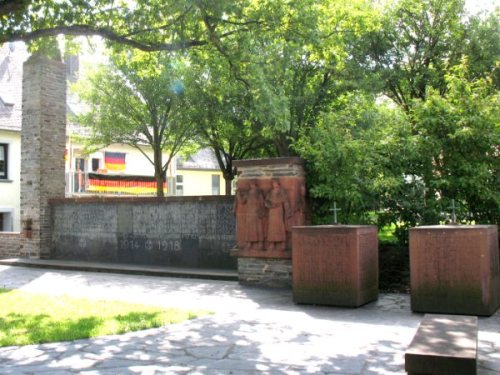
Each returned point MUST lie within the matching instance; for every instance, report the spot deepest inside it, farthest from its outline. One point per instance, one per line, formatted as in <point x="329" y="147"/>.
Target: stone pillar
<point x="43" y="140"/>
<point x="269" y="201"/>
<point x="454" y="269"/>
<point x="335" y="265"/>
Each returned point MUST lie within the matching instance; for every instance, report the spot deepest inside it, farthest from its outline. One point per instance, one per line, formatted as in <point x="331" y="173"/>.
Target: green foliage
<point x="407" y="165"/>
<point x="418" y="41"/>
<point x="149" y="25"/>
<point x="223" y="111"/>
<point x="138" y="99"/>
<point x="27" y="318"/>
<point x="459" y="137"/>
<point x="48" y="47"/>
<point x="343" y="157"/>
<point x="408" y="168"/>
<point x="386" y="235"/>
<point x="297" y="69"/>
<point x="482" y="48"/>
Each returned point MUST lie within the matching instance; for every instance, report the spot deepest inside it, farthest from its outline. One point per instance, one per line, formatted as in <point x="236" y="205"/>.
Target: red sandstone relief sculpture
<point x="255" y="213"/>
<point x="278" y="211"/>
<point x="266" y="210"/>
<point x="250" y="212"/>
<point x="239" y="210"/>
<point x="298" y="214"/>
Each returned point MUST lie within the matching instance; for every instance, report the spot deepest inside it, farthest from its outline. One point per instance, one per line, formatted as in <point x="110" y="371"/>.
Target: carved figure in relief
<point x="254" y="233"/>
<point x="298" y="216"/>
<point x="239" y="210"/>
<point x="279" y="210"/>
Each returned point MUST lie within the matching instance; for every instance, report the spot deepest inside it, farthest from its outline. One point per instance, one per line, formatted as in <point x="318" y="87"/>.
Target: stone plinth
<point x="43" y="141"/>
<point x="270" y="200"/>
<point x="335" y="264"/>
<point x="443" y="344"/>
<point x="455" y="269"/>
<point x="267" y="272"/>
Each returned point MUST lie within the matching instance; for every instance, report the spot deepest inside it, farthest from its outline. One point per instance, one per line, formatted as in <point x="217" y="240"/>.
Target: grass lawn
<point x="386" y="234"/>
<point x="27" y="318"/>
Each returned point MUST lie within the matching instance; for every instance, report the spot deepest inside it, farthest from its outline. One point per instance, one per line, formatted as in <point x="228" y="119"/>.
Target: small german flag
<point x="114" y="161"/>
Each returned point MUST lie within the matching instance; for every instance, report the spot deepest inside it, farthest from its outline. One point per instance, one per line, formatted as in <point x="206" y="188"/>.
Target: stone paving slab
<point x="252" y="331"/>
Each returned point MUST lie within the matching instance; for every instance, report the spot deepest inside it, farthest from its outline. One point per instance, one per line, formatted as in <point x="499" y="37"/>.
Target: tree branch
<point x="103" y="32"/>
<point x="218" y="45"/>
<point x="163" y="27"/>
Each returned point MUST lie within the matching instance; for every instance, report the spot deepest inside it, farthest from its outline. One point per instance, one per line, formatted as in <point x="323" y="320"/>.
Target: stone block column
<point x="335" y="265"/>
<point x="43" y="141"/>
<point x="454" y="269"/>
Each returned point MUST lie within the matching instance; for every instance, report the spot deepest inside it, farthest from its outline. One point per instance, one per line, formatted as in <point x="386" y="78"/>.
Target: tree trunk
<point x="229" y="185"/>
<point x="228" y="178"/>
<point x="282" y="145"/>
<point x="158" y="165"/>
<point x="160" y="179"/>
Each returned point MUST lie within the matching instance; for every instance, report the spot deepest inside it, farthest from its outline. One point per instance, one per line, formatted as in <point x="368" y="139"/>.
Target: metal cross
<point x="453" y="212"/>
<point x="335" y="209"/>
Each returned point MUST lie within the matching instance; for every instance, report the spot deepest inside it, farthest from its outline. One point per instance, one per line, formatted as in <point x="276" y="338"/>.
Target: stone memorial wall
<point x="193" y="232"/>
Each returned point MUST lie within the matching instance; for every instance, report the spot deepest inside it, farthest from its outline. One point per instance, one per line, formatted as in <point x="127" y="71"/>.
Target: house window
<point x="215" y="184"/>
<point x="95" y="164"/>
<point x="3" y="160"/>
<point x="179" y="184"/>
<point x="5" y="221"/>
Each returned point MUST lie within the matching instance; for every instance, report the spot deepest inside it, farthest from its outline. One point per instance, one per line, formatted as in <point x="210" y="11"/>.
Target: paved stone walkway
<point x="253" y="331"/>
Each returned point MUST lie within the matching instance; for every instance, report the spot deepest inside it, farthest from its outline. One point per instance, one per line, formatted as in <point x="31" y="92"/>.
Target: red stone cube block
<point x="455" y="269"/>
<point x="335" y="264"/>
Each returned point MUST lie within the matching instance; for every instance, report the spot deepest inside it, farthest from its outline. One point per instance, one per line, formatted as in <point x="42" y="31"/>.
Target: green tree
<point x="138" y="100"/>
<point x="481" y="47"/>
<point x="365" y="156"/>
<point x="301" y="66"/>
<point x="148" y="25"/>
<point x="223" y="110"/>
<point x="419" y="40"/>
<point x="343" y="158"/>
<point x="459" y="138"/>
<point x="446" y="148"/>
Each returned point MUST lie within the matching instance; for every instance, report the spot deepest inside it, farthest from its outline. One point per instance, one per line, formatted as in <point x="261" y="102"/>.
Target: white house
<point x="10" y="134"/>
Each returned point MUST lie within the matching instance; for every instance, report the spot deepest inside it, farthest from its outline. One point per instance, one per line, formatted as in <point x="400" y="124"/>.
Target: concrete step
<point x="196" y="273"/>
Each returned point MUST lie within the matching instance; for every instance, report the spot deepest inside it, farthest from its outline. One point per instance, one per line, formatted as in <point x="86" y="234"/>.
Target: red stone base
<point x="335" y="265"/>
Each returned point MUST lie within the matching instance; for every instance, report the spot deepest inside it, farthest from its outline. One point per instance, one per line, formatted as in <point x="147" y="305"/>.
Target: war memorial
<point x="263" y="232"/>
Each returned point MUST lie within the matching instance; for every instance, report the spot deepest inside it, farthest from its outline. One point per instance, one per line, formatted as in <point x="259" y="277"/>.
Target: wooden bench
<point x="443" y="344"/>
